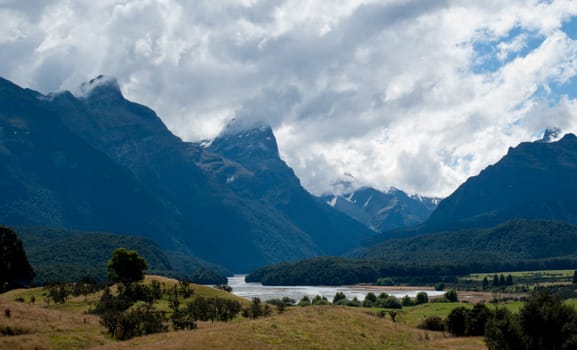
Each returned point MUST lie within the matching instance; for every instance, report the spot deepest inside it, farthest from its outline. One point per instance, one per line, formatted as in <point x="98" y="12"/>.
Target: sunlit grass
<point x="542" y="275"/>
<point x="321" y="327"/>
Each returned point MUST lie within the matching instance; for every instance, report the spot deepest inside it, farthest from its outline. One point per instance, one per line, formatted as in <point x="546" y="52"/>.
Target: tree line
<point x="343" y="271"/>
<point x="544" y="322"/>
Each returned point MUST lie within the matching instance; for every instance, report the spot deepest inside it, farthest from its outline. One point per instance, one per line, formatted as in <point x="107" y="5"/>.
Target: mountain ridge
<point x="383" y="211"/>
<point x="241" y="212"/>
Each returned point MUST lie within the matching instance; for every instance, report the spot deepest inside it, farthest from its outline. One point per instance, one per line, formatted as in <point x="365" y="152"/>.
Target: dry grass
<point x="304" y="328"/>
<point x="38" y="327"/>
<point x="48" y="326"/>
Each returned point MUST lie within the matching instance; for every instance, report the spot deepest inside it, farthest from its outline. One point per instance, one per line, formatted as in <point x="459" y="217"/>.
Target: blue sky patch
<point x="487" y="52"/>
<point x="570" y="28"/>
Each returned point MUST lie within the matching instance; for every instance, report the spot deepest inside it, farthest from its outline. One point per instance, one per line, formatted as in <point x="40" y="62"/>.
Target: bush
<point x="456" y="321"/>
<point x="407" y="301"/>
<point x="422" y="298"/>
<point x="256" y="310"/>
<point x="451" y="296"/>
<point x="477" y="319"/>
<point x="370" y="300"/>
<point x="142" y="320"/>
<point x="502" y="331"/>
<point x="392" y="303"/>
<point x="320" y="300"/>
<point x="432" y="323"/>
<point x="305" y="301"/>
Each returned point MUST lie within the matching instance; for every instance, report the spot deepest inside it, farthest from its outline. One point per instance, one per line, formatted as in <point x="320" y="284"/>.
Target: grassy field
<point x="543" y="276"/>
<point x="320" y="327"/>
<point x="43" y="326"/>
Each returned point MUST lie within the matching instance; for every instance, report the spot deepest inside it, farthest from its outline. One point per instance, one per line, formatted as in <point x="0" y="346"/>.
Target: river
<point x="251" y="290"/>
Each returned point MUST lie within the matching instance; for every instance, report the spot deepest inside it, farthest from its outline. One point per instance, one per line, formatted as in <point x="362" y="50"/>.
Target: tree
<point x="495" y="281"/>
<point x="456" y="321"/>
<point x="338" y="297"/>
<point x="502" y="331"/>
<point x="545" y="320"/>
<point x="422" y="298"/>
<point x="370" y="300"/>
<point x="476" y="320"/>
<point x="126" y="267"/>
<point x="575" y="277"/>
<point x="452" y="296"/>
<point x="15" y="270"/>
<point x="485" y="283"/>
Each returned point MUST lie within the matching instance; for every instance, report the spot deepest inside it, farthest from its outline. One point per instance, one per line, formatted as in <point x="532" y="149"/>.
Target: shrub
<point x="456" y="321"/>
<point x="432" y="323"/>
<point x="451" y="296"/>
<point x="305" y="301"/>
<point x="422" y="298"/>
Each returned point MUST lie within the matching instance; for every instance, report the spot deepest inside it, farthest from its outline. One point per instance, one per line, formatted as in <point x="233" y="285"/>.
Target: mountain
<point x="535" y="180"/>
<point x="383" y="211"/>
<point x="50" y="177"/>
<point x="270" y="180"/>
<point x="515" y="241"/>
<point x="99" y="162"/>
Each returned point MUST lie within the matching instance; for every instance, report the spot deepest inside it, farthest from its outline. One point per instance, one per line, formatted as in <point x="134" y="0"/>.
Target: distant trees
<point x="206" y="276"/>
<point x="15" y="270"/>
<point x="499" y="282"/>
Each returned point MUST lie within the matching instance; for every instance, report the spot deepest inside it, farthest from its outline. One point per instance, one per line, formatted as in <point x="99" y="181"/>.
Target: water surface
<point x="250" y="290"/>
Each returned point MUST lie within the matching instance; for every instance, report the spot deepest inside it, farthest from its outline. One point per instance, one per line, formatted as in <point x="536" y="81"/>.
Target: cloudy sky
<point x="418" y="95"/>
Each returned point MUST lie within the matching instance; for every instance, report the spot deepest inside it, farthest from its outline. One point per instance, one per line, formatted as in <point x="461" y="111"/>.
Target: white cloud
<point x="412" y="94"/>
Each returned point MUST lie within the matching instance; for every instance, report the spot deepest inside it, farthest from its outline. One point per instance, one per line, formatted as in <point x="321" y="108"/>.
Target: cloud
<point x="412" y="94"/>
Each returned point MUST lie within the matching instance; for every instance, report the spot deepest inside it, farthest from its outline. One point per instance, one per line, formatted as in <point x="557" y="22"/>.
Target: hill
<point x="60" y="255"/>
<point x="514" y="241"/>
<point x="306" y="328"/>
<point x="38" y="325"/>
<point x="517" y="245"/>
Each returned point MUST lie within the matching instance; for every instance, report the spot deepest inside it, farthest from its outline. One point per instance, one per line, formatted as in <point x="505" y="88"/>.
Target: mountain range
<point x="99" y="162"/>
<point x="383" y="211"/>
<point x="533" y="181"/>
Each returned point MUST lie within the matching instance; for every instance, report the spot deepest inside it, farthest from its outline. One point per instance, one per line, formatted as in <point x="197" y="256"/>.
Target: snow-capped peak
<point x="238" y="126"/>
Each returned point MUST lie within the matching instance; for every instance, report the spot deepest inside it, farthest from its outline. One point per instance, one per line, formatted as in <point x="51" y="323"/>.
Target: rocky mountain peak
<point x="247" y="139"/>
<point x="101" y="88"/>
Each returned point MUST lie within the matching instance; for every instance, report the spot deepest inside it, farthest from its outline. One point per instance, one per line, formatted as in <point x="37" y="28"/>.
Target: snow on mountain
<point x="382" y="211"/>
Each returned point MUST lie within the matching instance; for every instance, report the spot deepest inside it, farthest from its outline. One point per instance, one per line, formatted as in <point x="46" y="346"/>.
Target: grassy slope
<point x="324" y="327"/>
<point x="68" y="327"/>
<point x="65" y="326"/>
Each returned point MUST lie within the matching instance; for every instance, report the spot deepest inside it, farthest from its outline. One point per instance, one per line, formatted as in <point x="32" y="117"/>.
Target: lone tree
<point x="15" y="270"/>
<point x="126" y="267"/>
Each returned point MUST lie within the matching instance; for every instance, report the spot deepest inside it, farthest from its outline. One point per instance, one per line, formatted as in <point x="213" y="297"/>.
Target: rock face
<point x="535" y="180"/>
<point x="100" y="162"/>
<point x="383" y="211"/>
